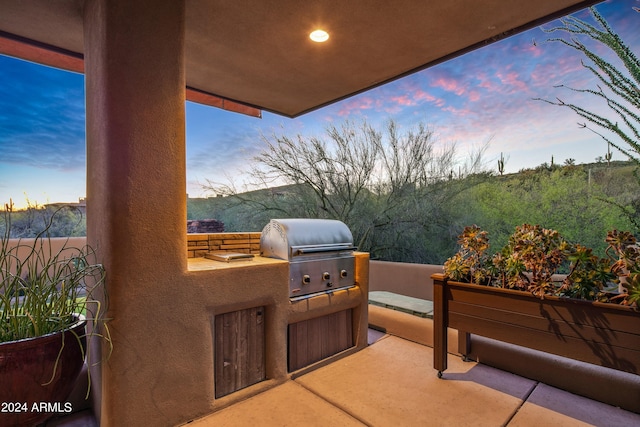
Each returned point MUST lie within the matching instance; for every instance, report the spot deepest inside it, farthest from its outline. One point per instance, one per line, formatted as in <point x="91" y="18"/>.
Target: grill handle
<point x="321" y="249"/>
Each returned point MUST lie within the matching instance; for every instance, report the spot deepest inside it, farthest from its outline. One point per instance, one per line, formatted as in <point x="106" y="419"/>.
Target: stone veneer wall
<point x="198" y="244"/>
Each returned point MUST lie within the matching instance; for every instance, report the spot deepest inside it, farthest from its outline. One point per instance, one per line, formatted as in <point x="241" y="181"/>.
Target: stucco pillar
<point x="136" y="189"/>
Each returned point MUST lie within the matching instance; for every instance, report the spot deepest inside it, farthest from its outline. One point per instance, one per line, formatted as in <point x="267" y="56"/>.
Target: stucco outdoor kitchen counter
<point x="200" y="264"/>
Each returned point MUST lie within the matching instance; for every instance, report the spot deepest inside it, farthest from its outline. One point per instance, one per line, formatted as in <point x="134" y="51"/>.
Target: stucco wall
<point x="166" y="361"/>
<point x="413" y="280"/>
<point x="197" y="243"/>
<point x="45" y="246"/>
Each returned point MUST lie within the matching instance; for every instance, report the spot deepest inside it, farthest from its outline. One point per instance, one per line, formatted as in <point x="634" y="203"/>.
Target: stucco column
<point x="136" y="189"/>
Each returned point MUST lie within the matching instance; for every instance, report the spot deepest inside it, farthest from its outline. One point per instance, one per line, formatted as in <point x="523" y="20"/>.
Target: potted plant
<point x="590" y="313"/>
<point x="45" y="305"/>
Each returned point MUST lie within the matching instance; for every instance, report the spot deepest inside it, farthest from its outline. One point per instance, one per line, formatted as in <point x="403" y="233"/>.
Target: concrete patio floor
<point x="392" y="383"/>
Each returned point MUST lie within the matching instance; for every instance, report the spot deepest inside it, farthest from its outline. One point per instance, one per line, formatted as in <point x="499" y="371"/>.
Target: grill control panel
<point x="318" y="275"/>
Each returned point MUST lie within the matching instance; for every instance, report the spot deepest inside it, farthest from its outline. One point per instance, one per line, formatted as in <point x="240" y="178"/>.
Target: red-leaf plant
<point x="534" y="255"/>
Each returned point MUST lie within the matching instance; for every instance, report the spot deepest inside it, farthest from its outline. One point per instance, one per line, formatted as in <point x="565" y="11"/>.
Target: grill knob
<point x="326" y="276"/>
<point x="343" y="273"/>
<point x="306" y="279"/>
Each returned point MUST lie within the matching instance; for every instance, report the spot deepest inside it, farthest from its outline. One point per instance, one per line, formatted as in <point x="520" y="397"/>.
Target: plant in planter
<point x="45" y="304"/>
<point x="590" y="277"/>
<point x="522" y="300"/>
<point x="624" y="250"/>
<point x="471" y="263"/>
<point x="534" y="256"/>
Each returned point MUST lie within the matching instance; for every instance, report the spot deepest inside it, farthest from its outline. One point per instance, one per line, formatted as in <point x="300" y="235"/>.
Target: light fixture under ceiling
<point x="319" y="36"/>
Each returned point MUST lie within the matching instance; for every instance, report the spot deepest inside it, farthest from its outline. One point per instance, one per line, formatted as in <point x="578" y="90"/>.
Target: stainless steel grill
<point x="319" y="251"/>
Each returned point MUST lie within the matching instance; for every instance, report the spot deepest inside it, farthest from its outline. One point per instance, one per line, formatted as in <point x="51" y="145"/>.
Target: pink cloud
<point x="356" y="104"/>
<point x="403" y="100"/>
<point x="512" y="79"/>
<point x="457" y="111"/>
<point x="440" y="102"/>
<point x="421" y="95"/>
<point x="411" y="95"/>
<point x="449" y="84"/>
<point x="531" y="49"/>
<point x="485" y="81"/>
<point x="468" y="87"/>
<point x="562" y="69"/>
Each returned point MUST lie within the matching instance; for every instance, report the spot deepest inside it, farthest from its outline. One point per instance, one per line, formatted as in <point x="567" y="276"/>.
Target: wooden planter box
<point x="599" y="333"/>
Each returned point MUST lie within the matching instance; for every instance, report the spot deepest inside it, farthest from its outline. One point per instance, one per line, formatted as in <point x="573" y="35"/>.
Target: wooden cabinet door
<point x="316" y="339"/>
<point x="239" y="358"/>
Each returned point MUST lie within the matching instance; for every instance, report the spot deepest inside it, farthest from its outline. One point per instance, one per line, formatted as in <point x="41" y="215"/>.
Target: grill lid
<point x="286" y="238"/>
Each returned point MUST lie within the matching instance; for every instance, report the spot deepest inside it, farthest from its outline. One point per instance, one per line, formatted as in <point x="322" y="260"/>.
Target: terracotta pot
<point x="593" y="332"/>
<point x="36" y="377"/>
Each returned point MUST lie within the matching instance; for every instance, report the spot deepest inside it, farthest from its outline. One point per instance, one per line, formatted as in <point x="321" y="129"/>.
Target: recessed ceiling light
<point x="319" y="36"/>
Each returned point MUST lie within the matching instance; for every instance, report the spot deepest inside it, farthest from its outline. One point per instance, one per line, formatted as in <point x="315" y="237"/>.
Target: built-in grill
<point x="319" y="251"/>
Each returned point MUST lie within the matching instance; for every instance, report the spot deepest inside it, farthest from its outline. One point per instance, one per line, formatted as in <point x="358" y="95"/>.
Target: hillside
<point x="581" y="201"/>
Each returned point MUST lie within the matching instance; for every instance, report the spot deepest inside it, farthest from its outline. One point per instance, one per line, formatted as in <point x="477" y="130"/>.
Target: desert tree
<point x="57" y="220"/>
<point x="618" y="87"/>
<point x="384" y="184"/>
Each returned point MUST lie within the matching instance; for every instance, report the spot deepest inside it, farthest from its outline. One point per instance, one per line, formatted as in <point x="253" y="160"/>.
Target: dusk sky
<point x="485" y="95"/>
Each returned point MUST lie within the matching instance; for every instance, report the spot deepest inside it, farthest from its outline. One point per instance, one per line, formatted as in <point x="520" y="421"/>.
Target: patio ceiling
<point x="258" y="54"/>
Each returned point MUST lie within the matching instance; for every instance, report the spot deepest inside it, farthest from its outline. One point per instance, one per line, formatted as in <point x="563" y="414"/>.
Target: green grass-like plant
<point x="43" y="291"/>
